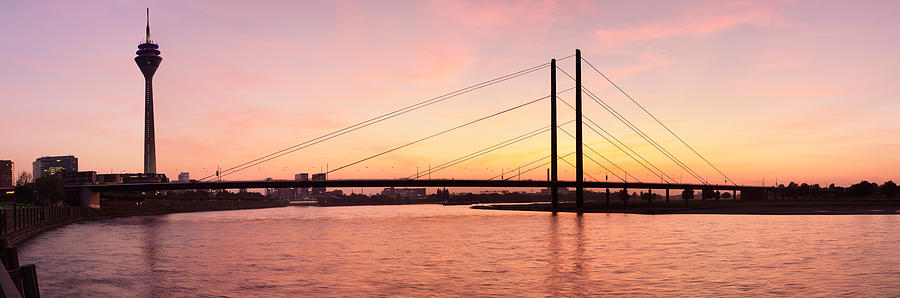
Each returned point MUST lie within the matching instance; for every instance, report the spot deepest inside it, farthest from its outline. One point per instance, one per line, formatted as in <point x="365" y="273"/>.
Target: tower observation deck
<point x="148" y="61"/>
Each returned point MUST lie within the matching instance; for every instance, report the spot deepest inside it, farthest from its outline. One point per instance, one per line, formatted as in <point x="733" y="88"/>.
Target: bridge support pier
<point x="90" y="199"/>
<point x="734" y="194"/>
<point x="667" y="196"/>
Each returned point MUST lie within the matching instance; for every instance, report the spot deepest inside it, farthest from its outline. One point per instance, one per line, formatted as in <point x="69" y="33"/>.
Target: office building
<point x="50" y="165"/>
<point x="303" y="192"/>
<point x="184" y="177"/>
<point x="7" y="173"/>
<point x="318" y="191"/>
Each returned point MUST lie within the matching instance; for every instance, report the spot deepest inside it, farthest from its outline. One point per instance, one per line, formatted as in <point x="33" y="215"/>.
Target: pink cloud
<point x="492" y="18"/>
<point x="667" y="30"/>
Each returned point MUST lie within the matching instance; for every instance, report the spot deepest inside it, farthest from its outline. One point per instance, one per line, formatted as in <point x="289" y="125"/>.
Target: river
<point x="427" y="250"/>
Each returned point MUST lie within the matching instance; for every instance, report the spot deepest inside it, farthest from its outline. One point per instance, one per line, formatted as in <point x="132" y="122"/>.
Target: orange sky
<point x="793" y="90"/>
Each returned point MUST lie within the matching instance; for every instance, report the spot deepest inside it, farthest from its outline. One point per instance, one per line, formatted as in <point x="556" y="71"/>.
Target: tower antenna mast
<point x="148" y="25"/>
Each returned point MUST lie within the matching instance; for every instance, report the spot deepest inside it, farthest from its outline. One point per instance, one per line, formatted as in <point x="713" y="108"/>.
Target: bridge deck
<point x="397" y="183"/>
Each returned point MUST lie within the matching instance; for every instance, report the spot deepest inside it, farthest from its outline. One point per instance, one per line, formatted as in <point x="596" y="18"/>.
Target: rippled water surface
<point x="431" y="250"/>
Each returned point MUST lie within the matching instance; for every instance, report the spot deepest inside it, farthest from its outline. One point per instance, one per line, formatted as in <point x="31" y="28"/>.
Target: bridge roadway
<point x="397" y="183"/>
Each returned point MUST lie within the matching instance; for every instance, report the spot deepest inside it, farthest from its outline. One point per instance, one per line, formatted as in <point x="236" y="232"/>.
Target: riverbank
<point x="113" y="209"/>
<point x="18" y="225"/>
<point x="805" y="207"/>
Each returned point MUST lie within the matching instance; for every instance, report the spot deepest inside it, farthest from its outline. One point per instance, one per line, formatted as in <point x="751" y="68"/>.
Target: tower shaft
<point x="149" y="129"/>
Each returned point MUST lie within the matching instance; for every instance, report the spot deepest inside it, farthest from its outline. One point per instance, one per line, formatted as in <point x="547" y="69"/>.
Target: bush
<point x="50" y="188"/>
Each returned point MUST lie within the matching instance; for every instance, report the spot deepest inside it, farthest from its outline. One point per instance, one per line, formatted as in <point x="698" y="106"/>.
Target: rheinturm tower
<point x="148" y="60"/>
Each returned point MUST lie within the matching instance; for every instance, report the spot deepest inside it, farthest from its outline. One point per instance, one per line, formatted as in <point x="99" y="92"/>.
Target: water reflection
<point x="150" y="229"/>
<point x="456" y="251"/>
<point x="556" y="278"/>
<point x="579" y="279"/>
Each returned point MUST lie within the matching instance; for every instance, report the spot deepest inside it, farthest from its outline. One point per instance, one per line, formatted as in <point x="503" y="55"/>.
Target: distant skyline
<point x="793" y="90"/>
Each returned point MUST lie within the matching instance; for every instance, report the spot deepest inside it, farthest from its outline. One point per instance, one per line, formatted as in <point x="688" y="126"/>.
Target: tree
<point x="726" y="195"/>
<point x="863" y="188"/>
<point x="889" y="189"/>
<point x="24" y="178"/>
<point x="25" y="193"/>
<point x="707" y="193"/>
<point x="50" y="188"/>
<point x="687" y="194"/>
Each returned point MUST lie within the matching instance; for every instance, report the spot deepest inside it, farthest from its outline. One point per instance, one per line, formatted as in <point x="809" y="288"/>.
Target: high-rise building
<point x="7" y="173"/>
<point x="303" y="191"/>
<point x="49" y="165"/>
<point x="184" y="177"/>
<point x="318" y="191"/>
<point x="148" y="61"/>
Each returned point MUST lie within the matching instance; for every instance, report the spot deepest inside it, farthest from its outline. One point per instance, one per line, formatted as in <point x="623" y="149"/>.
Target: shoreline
<point x="15" y="240"/>
<point x="799" y="207"/>
<point x="164" y="212"/>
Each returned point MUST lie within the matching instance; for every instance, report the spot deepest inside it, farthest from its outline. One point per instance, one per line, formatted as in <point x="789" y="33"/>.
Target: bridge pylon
<point x="554" y="189"/>
<point x="579" y="154"/>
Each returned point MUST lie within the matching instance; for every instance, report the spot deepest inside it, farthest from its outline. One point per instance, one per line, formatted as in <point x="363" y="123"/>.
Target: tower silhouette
<point x="148" y="60"/>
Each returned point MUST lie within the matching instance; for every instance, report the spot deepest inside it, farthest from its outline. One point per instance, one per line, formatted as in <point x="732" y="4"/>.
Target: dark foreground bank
<point x="817" y="207"/>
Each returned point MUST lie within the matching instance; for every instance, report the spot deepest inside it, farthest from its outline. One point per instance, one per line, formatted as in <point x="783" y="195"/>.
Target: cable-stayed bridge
<point x="624" y="177"/>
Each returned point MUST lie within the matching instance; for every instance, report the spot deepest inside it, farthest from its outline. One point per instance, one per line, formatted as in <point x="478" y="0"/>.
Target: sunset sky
<point x="793" y="90"/>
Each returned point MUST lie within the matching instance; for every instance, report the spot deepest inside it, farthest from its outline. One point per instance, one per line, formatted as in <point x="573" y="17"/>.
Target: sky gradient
<point x="793" y="90"/>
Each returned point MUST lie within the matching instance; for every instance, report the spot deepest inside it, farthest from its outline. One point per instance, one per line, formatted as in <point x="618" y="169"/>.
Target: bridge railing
<point x="19" y="223"/>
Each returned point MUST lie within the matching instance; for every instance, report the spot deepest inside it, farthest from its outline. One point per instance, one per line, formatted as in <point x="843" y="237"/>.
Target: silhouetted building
<point x="283" y="193"/>
<point x="109" y="178"/>
<point x="148" y="61"/>
<point x="49" y="165"/>
<point x="7" y="173"/>
<point x="318" y="191"/>
<point x="184" y="177"/>
<point x="302" y="192"/>
<point x="78" y="178"/>
<point x="404" y="193"/>
<point x="128" y="178"/>
<point x="144" y="178"/>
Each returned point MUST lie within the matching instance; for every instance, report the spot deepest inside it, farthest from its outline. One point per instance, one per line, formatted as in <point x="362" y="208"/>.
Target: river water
<point x="429" y="250"/>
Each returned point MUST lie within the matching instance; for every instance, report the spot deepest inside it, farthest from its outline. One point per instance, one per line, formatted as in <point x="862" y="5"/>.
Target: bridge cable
<point x="513" y="170"/>
<point x="481" y="152"/>
<point x="601" y="155"/>
<point x="655" y="144"/>
<point x="539" y="166"/>
<point x="485" y="151"/>
<point x="586" y="174"/>
<point x="380" y="118"/>
<point x="441" y="132"/>
<point x="375" y="120"/>
<point x="624" y="145"/>
<point x="660" y="122"/>
<point x="640" y="133"/>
